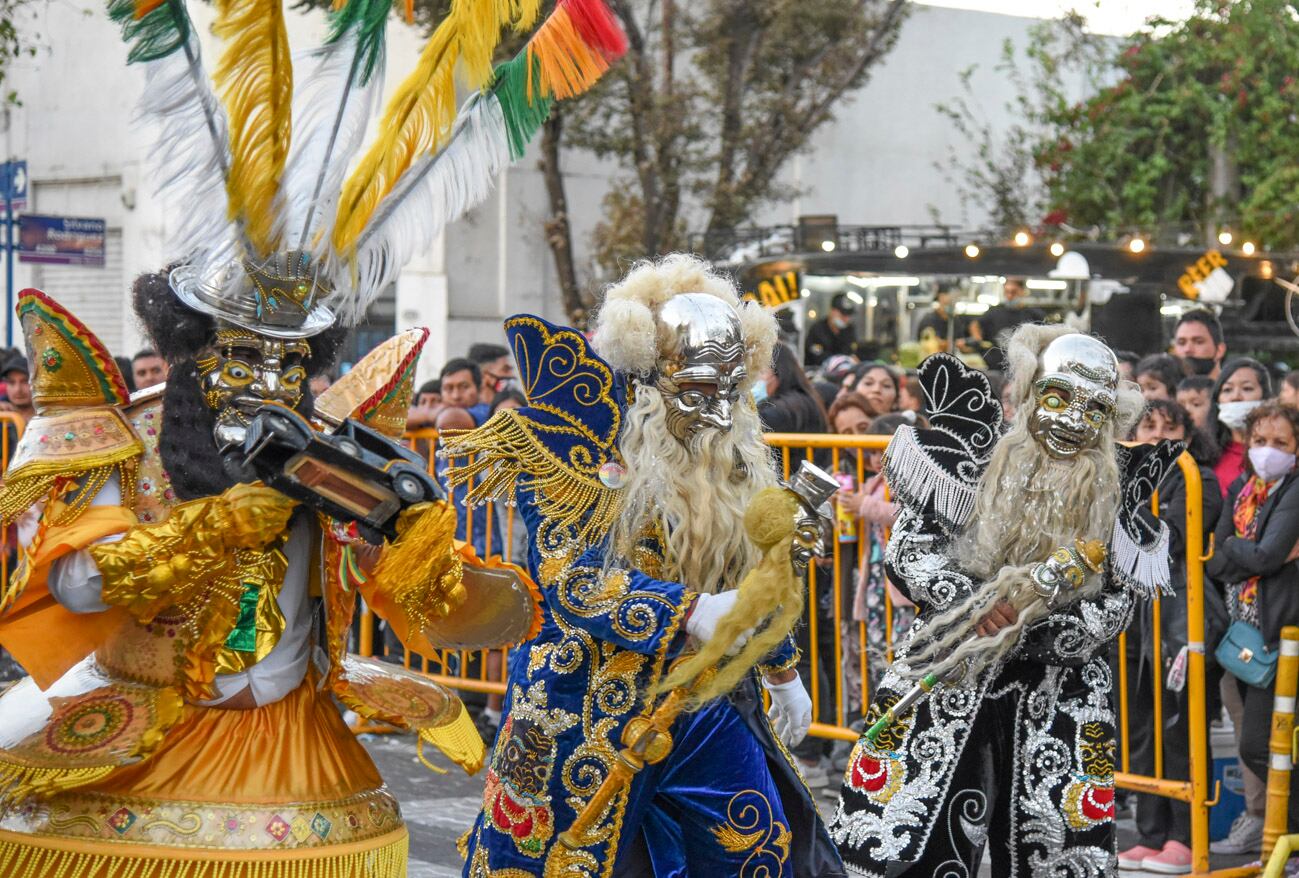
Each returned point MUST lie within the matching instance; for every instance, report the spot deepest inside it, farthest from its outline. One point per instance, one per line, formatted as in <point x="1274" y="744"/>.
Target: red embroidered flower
<point x="868" y="773"/>
<point x="1098" y="803"/>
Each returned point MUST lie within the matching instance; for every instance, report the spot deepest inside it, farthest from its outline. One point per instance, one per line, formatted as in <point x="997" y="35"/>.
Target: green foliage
<point x="1160" y="110"/>
<point x="18" y="39"/>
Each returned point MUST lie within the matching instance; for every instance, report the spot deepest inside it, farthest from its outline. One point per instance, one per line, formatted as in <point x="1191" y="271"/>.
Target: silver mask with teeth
<point x="1076" y="393"/>
<point x="702" y="364"/>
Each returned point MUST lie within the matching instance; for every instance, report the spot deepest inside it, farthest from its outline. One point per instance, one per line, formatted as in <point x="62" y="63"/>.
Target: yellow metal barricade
<point x="848" y="688"/>
<point x="1282" y="746"/>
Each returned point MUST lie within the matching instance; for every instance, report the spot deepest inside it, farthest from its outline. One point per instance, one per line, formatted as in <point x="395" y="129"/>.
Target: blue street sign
<point x="13" y="183"/>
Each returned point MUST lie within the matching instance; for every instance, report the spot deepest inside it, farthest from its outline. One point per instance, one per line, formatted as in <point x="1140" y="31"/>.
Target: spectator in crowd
<point x="879" y="386"/>
<point x="429" y="394"/>
<point x="1241" y="387"/>
<point x="1158" y="376"/>
<point x="1255" y="558"/>
<point x="1195" y="394"/>
<point x="17" y="389"/>
<point x="943" y="324"/>
<point x="124" y="366"/>
<point x="1289" y="394"/>
<point x="1002" y="319"/>
<point x="911" y="397"/>
<point x="850" y="415"/>
<point x="1198" y="342"/>
<point x="428" y="403"/>
<point x="1127" y="364"/>
<point x="787" y="402"/>
<point x="497" y="369"/>
<point x="147" y="368"/>
<point x="1164" y="824"/>
<point x="833" y="334"/>
<point x="460" y="380"/>
<point x="877" y="515"/>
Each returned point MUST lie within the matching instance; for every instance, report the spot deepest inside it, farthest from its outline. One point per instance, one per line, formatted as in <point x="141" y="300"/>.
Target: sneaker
<point x="1245" y="837"/>
<point x="1174" y="859"/>
<point x="1130" y="860"/>
<point x="814" y="774"/>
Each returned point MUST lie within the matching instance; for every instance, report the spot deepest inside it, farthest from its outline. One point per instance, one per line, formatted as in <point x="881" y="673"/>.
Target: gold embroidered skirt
<point x="281" y="791"/>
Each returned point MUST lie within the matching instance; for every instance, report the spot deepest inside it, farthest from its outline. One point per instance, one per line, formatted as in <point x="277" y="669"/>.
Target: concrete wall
<point x="874" y="164"/>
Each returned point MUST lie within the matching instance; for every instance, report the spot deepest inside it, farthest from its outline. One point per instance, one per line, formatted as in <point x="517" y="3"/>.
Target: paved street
<point x="440" y="807"/>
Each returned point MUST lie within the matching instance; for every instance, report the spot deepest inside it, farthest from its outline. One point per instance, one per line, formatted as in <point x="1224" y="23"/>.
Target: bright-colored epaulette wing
<point x="79" y="435"/>
<point x="560" y="440"/>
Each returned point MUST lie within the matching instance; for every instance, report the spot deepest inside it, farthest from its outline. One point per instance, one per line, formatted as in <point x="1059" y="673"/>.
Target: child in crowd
<point x="1193" y="394"/>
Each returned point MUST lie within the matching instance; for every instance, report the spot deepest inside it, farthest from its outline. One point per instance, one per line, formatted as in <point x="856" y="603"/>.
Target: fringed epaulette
<point x="557" y="444"/>
<point x="936" y="469"/>
<point x="1139" y="547"/>
<point x="79" y="436"/>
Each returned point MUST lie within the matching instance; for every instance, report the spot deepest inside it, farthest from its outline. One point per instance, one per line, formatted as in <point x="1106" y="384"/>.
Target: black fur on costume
<point x="178" y="333"/>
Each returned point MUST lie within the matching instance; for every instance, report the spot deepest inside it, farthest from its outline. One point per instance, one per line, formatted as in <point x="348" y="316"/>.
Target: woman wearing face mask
<point x="1255" y="557"/>
<point x="787" y="402"/>
<point x="1163" y="824"/>
<point x="879" y="386"/>
<point x="1241" y="387"/>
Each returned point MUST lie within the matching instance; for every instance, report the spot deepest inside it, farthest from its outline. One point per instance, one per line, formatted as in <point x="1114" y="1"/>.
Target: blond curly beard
<point x="691" y="497"/>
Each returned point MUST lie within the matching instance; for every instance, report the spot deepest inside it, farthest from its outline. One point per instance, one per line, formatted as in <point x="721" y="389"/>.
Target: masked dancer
<point x="1026" y="551"/>
<point x="633" y="466"/>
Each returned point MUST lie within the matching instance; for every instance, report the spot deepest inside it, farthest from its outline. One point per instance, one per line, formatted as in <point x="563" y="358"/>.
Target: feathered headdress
<point x="287" y="218"/>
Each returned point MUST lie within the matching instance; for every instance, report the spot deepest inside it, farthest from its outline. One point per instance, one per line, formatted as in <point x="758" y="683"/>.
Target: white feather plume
<point x="192" y="151"/>
<point x="331" y="113"/>
<point x="434" y="191"/>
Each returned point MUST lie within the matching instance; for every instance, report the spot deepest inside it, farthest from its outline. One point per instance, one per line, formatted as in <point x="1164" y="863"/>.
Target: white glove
<point x="708" y="612"/>
<point x="791" y="710"/>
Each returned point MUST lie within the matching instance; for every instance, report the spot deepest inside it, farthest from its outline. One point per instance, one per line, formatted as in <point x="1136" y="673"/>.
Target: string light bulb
<point x="902" y="251"/>
<point x="1057" y="249"/>
<point x="827" y="246"/>
<point x="972" y="251"/>
<point x="1248" y="248"/>
<point x="1023" y="238"/>
<point x="1224" y="238"/>
<point x="1137" y="245"/>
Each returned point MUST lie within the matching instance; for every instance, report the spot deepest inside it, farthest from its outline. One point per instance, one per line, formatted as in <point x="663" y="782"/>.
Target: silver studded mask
<point x="701" y="364"/>
<point x="241" y="369"/>
<point x="1077" y="392"/>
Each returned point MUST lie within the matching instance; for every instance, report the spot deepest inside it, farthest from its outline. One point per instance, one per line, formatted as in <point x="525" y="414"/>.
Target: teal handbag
<point x="1243" y="654"/>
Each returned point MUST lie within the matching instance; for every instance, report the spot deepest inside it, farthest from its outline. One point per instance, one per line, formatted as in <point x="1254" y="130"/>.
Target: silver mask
<point x="705" y="346"/>
<point x="1077" y="391"/>
<point x="242" y="369"/>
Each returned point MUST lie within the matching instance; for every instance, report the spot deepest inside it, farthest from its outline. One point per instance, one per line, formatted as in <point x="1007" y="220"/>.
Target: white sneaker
<point x="1245" y="837"/>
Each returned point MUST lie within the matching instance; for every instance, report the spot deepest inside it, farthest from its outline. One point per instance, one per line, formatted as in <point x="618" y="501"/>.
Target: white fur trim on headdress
<point x="627" y="333"/>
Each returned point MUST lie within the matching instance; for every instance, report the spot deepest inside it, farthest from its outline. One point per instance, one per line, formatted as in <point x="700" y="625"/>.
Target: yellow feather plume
<point x="419" y="117"/>
<point x="255" y="81"/>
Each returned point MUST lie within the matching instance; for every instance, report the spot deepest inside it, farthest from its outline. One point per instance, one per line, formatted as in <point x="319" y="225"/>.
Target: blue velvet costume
<point x="726" y="800"/>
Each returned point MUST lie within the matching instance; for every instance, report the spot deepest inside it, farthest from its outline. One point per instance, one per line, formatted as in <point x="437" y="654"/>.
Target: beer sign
<point x="1206" y="279"/>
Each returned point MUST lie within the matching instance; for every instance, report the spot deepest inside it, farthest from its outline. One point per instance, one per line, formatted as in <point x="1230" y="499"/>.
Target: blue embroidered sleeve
<point x="624" y="607"/>
<point x="782" y="658"/>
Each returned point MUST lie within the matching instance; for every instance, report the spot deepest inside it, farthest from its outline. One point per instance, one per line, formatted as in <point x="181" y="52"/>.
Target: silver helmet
<point x="1076" y="395"/>
<point x="701" y="363"/>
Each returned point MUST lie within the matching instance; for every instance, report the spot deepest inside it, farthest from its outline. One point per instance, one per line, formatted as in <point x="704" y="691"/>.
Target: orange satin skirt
<point x="281" y="791"/>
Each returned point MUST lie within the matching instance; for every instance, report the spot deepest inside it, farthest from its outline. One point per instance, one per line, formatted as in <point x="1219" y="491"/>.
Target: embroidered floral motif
<point x="751" y="826"/>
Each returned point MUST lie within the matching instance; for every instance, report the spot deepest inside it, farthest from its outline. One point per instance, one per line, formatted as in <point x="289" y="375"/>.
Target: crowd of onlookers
<point x="1239" y="420"/>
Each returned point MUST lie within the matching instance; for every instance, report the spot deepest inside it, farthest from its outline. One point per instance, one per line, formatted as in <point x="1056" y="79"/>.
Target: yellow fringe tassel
<point x="458" y="740"/>
<point x="18" y="782"/>
<point x="31" y="857"/>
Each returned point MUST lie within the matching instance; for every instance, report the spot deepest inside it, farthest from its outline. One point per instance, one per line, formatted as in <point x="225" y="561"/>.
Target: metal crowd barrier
<point x="842" y="699"/>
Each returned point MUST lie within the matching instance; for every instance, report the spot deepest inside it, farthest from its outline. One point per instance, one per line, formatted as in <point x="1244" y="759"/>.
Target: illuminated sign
<point x="778" y="290"/>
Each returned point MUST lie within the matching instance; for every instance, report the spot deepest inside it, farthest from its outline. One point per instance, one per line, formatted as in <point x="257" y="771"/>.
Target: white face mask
<point x="1233" y="414"/>
<point x="1270" y="463"/>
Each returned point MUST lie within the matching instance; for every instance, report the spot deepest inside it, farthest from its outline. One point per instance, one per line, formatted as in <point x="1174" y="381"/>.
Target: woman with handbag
<point x="1163" y="824"/>
<point x="1255" y="558"/>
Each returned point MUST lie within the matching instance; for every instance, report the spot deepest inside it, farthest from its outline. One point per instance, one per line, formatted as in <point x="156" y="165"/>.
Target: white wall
<point x="874" y="164"/>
